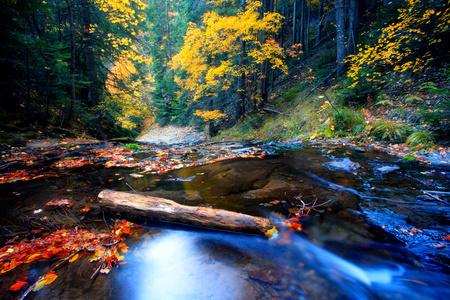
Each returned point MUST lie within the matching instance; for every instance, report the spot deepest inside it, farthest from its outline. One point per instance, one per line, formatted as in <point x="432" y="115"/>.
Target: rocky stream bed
<point x="370" y="226"/>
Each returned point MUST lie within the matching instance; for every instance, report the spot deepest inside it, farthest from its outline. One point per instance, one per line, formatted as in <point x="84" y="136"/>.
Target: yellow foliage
<point x="211" y="51"/>
<point x="395" y="50"/>
<point x="127" y="13"/>
<point x="209" y="115"/>
<point x="126" y="98"/>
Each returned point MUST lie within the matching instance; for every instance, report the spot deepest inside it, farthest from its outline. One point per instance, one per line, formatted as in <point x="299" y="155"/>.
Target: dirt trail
<point x="173" y="135"/>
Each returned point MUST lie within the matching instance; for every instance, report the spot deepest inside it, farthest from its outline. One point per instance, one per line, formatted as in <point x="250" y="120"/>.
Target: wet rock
<point x="233" y="177"/>
<point x="274" y="188"/>
<point x="344" y="165"/>
<point x="385" y="169"/>
<point x="266" y="275"/>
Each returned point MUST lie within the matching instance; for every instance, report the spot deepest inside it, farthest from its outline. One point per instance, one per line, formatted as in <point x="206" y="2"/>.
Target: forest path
<point x="173" y="135"/>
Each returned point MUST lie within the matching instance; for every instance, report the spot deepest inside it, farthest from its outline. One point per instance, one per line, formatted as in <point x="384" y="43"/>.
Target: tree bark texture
<point x="165" y="210"/>
<point x="94" y="94"/>
<point x="319" y="23"/>
<point x="340" y="38"/>
<point x="72" y="63"/>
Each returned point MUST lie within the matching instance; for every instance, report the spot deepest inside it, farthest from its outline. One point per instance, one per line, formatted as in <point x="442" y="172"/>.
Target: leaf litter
<point x="22" y="164"/>
<point x="67" y="245"/>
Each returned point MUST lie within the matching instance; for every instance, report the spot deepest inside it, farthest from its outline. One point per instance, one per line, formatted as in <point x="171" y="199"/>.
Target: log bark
<point x="165" y="210"/>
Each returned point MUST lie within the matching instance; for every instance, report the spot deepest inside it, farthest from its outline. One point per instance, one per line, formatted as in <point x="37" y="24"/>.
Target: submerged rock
<point x="344" y="165"/>
<point x="386" y="169"/>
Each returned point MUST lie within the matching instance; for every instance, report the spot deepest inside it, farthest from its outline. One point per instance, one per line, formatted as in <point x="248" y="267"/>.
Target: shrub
<point x="348" y="121"/>
<point x="289" y="96"/>
<point x="390" y="131"/>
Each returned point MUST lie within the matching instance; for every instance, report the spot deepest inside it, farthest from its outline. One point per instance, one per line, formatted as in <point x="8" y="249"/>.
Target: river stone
<point x="386" y="169"/>
<point x="273" y="189"/>
<point x="345" y="165"/>
<point x="233" y="177"/>
<point x="267" y="275"/>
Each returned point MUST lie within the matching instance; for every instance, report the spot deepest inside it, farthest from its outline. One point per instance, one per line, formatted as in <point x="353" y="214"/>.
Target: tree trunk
<point x="340" y="38"/>
<point x="308" y="25"/>
<point x="265" y="64"/>
<point x="293" y="23"/>
<point x="164" y="210"/>
<point x="240" y="103"/>
<point x="94" y="95"/>
<point x="302" y="25"/>
<point x="241" y="80"/>
<point x="319" y="24"/>
<point x="168" y="30"/>
<point x="72" y="64"/>
<point x="352" y="28"/>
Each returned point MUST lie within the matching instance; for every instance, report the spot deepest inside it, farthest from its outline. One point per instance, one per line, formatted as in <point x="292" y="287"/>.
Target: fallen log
<point x="165" y="210"/>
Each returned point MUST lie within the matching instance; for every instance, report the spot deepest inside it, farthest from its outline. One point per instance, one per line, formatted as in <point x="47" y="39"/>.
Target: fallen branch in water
<point x="165" y="210"/>
<point x="435" y="197"/>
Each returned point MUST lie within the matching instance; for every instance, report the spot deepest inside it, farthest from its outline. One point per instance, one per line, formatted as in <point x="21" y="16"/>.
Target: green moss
<point x="133" y="147"/>
<point x="289" y="96"/>
<point x="409" y="158"/>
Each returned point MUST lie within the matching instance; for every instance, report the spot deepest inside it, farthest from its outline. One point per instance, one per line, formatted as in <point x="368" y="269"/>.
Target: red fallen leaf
<point x="439" y="246"/>
<point x="18" y="285"/>
<point x="85" y="209"/>
<point x="294" y="220"/>
<point x="62" y="202"/>
<point x="295" y="226"/>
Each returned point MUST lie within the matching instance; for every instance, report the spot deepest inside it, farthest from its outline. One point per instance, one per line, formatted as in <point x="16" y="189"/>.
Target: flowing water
<point x="379" y="236"/>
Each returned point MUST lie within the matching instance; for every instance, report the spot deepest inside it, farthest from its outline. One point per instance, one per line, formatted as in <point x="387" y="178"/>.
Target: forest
<point x="326" y="68"/>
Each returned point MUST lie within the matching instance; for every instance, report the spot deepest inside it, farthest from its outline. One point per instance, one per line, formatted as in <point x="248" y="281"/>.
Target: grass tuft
<point x="390" y="131"/>
<point x="419" y="138"/>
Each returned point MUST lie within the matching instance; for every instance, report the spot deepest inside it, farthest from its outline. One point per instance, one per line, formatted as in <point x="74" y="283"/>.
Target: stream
<point x="382" y="231"/>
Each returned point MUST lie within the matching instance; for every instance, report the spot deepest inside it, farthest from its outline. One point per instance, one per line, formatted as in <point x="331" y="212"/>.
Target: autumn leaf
<point x="85" y="209"/>
<point x="60" y="203"/>
<point x="33" y="257"/>
<point x="123" y="248"/>
<point x="20" y="283"/>
<point x="48" y="278"/>
<point x="74" y="258"/>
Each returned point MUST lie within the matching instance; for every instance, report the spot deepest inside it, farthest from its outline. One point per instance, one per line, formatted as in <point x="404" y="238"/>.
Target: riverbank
<point x="435" y="156"/>
<point x="438" y="155"/>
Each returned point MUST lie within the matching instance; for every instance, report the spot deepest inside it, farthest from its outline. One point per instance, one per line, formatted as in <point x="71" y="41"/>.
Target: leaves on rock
<point x="47" y="279"/>
<point x="20" y="283"/>
<point x="68" y="245"/>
